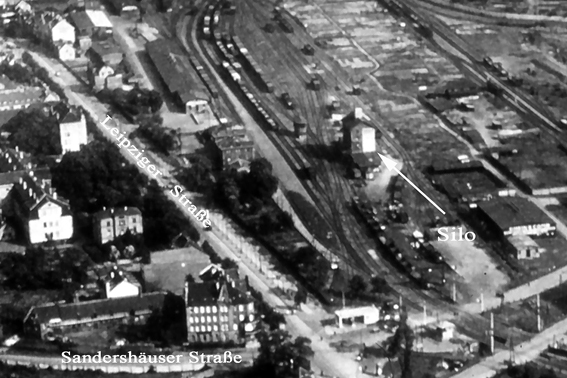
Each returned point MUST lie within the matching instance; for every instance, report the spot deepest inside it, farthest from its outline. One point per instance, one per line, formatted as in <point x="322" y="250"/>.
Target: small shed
<point x="361" y="315"/>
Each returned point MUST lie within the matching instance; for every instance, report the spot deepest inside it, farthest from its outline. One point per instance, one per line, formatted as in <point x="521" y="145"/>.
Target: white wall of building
<point x="50" y="222"/>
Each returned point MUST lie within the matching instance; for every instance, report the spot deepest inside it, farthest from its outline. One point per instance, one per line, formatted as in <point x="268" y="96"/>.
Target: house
<point x="65" y="51"/>
<point x="119" y="283"/>
<point x="72" y="127"/>
<point x="23" y="7"/>
<point x="53" y="31"/>
<point x="114" y="222"/>
<point x="219" y="310"/>
<point x="516" y="216"/>
<point x="102" y="25"/>
<point x="359" y="135"/>
<point x="231" y="143"/>
<point x="21" y="97"/>
<point x="178" y="75"/>
<point x="82" y="23"/>
<point x="53" y="320"/>
<point x="14" y="164"/>
<point x="524" y="247"/>
<point x="39" y="213"/>
<point x="104" y="59"/>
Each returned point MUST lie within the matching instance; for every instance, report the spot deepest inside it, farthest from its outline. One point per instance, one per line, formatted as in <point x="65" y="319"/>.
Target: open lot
<point x="168" y="269"/>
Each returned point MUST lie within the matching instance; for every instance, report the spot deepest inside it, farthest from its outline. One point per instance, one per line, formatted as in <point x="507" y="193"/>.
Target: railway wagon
<point x="285" y="25"/>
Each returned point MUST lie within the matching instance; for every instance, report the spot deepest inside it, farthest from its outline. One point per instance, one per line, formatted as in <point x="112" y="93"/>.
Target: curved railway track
<point x="472" y="324"/>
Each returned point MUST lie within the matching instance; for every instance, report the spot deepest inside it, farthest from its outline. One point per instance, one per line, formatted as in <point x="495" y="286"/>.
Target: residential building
<point x="119" y="283"/>
<point x="516" y="216"/>
<point x="82" y="23"/>
<point x="178" y="75"/>
<point x="114" y="222"/>
<point x="102" y="27"/>
<point x="53" y="31"/>
<point x="104" y="57"/>
<point x="359" y="135"/>
<point x="232" y="144"/>
<point x="52" y="321"/>
<point x="219" y="310"/>
<point x="72" y="127"/>
<point x="15" y="164"/>
<point x="14" y="96"/>
<point x="40" y="214"/>
<point x="23" y="7"/>
<point x="65" y="51"/>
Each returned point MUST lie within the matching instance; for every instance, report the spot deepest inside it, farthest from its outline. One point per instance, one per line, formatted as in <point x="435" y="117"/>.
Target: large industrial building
<point x="178" y="75"/>
<point x="517" y="216"/>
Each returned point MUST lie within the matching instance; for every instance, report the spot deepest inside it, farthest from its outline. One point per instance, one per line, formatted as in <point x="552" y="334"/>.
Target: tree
<point x="197" y="177"/>
<point x="379" y="285"/>
<point x="35" y="132"/>
<point x="300" y="296"/>
<point x="98" y="176"/>
<point x="400" y="345"/>
<point x="279" y="356"/>
<point x="189" y="278"/>
<point x="356" y="286"/>
<point x="259" y="182"/>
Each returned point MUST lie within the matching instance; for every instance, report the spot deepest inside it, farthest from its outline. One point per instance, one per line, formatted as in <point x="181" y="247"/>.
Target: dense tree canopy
<point x="98" y="176"/>
<point x="400" y="345"/>
<point x="280" y="356"/>
<point x="34" y="131"/>
<point x="40" y="269"/>
<point x="151" y="128"/>
<point x="198" y="176"/>
<point x="135" y="102"/>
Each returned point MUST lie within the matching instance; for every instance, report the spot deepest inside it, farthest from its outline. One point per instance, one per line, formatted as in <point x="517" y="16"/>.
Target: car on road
<point x="286" y="100"/>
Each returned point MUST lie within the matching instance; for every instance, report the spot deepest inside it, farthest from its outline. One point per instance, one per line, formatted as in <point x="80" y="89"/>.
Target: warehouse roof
<point x="513" y="212"/>
<point x="99" y="18"/>
<point x="175" y="70"/>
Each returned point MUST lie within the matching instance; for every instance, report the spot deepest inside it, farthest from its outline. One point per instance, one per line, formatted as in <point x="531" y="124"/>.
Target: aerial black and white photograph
<point x="283" y="188"/>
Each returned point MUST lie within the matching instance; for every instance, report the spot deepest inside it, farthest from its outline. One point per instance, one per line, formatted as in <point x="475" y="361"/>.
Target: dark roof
<point x="236" y="142"/>
<point x="32" y="202"/>
<point x="221" y="290"/>
<point x="106" y="50"/>
<point x="176" y="70"/>
<point x="353" y="119"/>
<point x="66" y="113"/>
<point x="366" y="160"/>
<point x="101" y="307"/>
<point x="116" y="212"/>
<point x="81" y="20"/>
<point x="514" y="212"/>
<point x="469" y="185"/>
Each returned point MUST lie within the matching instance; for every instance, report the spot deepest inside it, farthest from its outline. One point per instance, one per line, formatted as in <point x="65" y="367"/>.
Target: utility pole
<point x="424" y="315"/>
<point x="481" y="302"/>
<point x="491" y="333"/>
<point x="538" y="314"/>
<point x="454" y="293"/>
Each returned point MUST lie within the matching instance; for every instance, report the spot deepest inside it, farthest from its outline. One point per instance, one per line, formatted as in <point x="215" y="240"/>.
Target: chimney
<point x="31" y="192"/>
<point x="21" y="180"/>
<point x="31" y="173"/>
<point x="54" y="195"/>
<point x="29" y="165"/>
<point x="112" y="275"/>
<point x="21" y="154"/>
<point x="9" y="159"/>
<point x="120" y="273"/>
<point x="25" y="185"/>
<point x="358" y="113"/>
<point x="17" y="149"/>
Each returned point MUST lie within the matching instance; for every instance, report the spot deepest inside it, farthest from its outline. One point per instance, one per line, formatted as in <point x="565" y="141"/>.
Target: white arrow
<point x="391" y="165"/>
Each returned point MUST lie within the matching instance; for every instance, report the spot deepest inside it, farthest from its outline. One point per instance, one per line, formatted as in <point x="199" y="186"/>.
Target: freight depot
<point x="133" y="150"/>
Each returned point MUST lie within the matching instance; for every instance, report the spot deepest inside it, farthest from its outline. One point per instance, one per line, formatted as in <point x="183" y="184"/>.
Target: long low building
<point x="517" y="216"/>
<point x="178" y="75"/>
<point x="51" y="320"/>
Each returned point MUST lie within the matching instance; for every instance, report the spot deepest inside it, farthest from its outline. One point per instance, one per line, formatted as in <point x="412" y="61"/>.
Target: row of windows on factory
<point x="223" y="309"/>
<point x="215" y="328"/>
<point x="213" y="319"/>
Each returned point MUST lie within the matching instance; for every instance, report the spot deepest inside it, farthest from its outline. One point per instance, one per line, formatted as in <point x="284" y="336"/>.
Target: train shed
<point x="179" y="77"/>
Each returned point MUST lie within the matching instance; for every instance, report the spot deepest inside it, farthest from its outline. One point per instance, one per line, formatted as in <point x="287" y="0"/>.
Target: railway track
<point x="472" y="323"/>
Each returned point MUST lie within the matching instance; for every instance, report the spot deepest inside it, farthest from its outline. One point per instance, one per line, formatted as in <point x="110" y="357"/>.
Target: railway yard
<point x="300" y="68"/>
